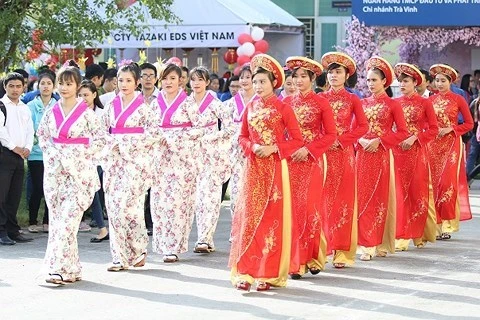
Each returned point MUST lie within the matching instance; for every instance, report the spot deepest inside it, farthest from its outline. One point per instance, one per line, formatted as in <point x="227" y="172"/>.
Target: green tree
<point x="77" y="22"/>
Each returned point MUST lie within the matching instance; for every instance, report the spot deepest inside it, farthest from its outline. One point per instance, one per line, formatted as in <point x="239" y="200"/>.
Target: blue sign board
<point x="418" y="12"/>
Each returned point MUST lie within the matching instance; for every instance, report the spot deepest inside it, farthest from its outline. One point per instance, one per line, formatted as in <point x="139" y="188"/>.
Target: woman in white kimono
<point x="237" y="105"/>
<point x="214" y="151"/>
<point x="177" y="166"/>
<point x="70" y="136"/>
<point x="127" y="169"/>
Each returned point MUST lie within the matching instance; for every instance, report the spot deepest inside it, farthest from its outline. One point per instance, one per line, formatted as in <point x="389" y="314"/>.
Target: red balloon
<point x="242" y="60"/>
<point x="237" y="70"/>
<point x="230" y="56"/>
<point x="261" y="45"/>
<point x="244" y="37"/>
<point x="175" y="61"/>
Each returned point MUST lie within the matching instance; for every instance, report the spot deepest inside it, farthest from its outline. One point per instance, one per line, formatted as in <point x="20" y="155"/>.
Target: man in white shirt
<point x="423" y="88"/>
<point x="16" y="138"/>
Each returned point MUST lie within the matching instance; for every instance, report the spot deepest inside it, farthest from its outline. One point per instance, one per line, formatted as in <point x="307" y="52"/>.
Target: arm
<point x="30" y="131"/>
<point x="227" y="129"/>
<point x="431" y="121"/>
<point x="467" y="124"/>
<point x="318" y="147"/>
<point x="359" y="126"/>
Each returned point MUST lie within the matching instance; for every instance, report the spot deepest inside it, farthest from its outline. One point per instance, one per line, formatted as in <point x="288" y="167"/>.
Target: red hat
<point x="339" y="58"/>
<point x="410" y="70"/>
<point x="270" y="64"/>
<point x="444" y="69"/>
<point x="382" y="64"/>
<point x="304" y="63"/>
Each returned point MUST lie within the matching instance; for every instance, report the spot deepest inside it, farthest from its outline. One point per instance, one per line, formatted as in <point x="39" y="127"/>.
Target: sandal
<point x="116" y="267"/>
<point x="421" y="245"/>
<point x="243" y="285"/>
<point x="381" y="254"/>
<point x="73" y="280"/>
<point x="295" y="276"/>
<point x="339" y="265"/>
<point x="203" y="247"/>
<point x="170" y="258"/>
<point x="439" y="238"/>
<point x="55" y="278"/>
<point x="365" y="257"/>
<point x="314" y="270"/>
<point x="446" y="236"/>
<point x="141" y="263"/>
<point x="263" y="286"/>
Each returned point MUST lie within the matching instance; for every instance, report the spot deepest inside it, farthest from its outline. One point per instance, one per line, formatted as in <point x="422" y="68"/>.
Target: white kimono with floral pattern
<point x="215" y="146"/>
<point x="70" y="144"/>
<point x="176" y="167"/>
<point x="236" y="106"/>
<point x="127" y="175"/>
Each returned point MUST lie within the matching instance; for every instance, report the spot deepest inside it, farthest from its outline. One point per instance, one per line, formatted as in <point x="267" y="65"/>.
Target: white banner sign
<point x="178" y="37"/>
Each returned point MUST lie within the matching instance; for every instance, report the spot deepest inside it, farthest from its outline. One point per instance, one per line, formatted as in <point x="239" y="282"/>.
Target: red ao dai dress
<point x="261" y="227"/>
<point x="415" y="205"/>
<point x="215" y="146"/>
<point x="447" y="162"/>
<point x="128" y="175"/>
<point x="71" y="144"/>
<point x="309" y="240"/>
<point x="376" y="175"/>
<point x="340" y="194"/>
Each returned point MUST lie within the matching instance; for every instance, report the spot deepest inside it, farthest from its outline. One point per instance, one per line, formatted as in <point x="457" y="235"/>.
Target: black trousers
<point x="36" y="173"/>
<point x="224" y="188"/>
<point x="11" y="184"/>
<point x="148" y="213"/>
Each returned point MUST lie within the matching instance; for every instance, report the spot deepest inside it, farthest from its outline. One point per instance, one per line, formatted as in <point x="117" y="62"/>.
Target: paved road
<point x="441" y="281"/>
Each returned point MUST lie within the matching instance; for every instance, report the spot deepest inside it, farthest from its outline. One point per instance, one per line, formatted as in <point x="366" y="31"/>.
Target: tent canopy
<point x="205" y="23"/>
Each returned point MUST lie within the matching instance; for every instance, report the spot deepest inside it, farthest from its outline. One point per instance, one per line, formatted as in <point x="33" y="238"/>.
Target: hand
<point x="408" y="143"/>
<point x="372" y="145"/>
<point x="19" y="151"/>
<point x="444" y="131"/>
<point x="26" y="153"/>
<point x="300" y="155"/>
<point x="265" y="151"/>
<point x="363" y="142"/>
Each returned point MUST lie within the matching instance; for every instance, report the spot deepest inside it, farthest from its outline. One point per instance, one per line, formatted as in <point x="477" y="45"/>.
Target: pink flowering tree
<point x="364" y="42"/>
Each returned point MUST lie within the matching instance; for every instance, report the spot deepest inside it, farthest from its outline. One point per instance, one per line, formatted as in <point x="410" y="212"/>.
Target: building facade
<point x="324" y="23"/>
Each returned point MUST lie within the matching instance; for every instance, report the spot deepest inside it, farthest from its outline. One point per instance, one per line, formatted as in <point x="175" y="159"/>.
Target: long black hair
<point x="88" y="84"/>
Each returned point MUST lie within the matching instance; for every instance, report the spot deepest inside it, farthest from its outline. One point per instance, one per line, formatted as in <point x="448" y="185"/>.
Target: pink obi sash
<point x="168" y="111"/>
<point x="64" y="124"/>
<point x="122" y="115"/>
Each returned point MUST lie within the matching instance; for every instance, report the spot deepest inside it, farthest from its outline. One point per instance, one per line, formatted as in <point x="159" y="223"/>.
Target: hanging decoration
<point x="214" y="57"/>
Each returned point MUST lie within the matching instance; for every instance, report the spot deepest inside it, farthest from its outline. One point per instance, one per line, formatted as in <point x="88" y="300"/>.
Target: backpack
<point x="4" y="111"/>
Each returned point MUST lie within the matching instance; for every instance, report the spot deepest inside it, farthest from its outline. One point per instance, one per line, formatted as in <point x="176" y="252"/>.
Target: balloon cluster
<point x="250" y="45"/>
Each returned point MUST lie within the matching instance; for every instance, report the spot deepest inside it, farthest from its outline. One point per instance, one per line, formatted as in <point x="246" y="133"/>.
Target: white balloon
<point x="240" y="51"/>
<point x="248" y="49"/>
<point x="257" y="33"/>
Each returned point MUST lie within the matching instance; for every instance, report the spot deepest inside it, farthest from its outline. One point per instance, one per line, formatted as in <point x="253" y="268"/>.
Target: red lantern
<point x="261" y="45"/>
<point x="230" y="56"/>
<point x="175" y="60"/>
<point x="241" y="60"/>
<point x="244" y="37"/>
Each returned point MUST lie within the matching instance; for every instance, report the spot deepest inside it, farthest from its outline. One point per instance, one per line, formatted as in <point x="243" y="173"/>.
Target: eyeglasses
<point x="148" y="76"/>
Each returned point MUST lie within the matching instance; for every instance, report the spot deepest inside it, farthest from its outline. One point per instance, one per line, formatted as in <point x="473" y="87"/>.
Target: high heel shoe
<point x="263" y="286"/>
<point x="243" y="285"/>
